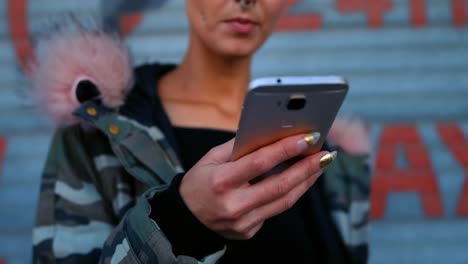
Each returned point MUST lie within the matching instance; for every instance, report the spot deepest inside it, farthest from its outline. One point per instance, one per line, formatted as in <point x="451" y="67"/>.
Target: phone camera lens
<point x="278" y="80"/>
<point x="296" y="103"/>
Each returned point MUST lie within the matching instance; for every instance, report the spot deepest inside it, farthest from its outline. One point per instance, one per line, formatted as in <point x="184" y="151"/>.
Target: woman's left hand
<point x="351" y="135"/>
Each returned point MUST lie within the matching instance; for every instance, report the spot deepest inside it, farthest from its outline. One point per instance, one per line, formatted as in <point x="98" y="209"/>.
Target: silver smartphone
<point x="278" y="107"/>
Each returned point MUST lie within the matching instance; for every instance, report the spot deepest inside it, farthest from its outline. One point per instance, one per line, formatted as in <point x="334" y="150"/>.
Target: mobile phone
<point x="278" y="107"/>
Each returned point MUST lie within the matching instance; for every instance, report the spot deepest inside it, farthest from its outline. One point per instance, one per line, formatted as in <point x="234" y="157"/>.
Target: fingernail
<point x="327" y="159"/>
<point x="308" y="141"/>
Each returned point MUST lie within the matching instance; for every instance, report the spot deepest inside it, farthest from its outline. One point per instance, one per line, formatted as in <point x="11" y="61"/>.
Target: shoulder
<point x="153" y="70"/>
<point x="69" y="136"/>
<point x="79" y="143"/>
<point x="142" y="104"/>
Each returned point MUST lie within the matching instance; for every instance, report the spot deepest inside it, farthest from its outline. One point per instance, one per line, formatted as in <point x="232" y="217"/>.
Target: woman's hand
<point x="351" y="135"/>
<point x="218" y="193"/>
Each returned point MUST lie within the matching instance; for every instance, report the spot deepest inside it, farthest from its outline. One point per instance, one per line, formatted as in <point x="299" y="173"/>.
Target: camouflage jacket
<point x="99" y="177"/>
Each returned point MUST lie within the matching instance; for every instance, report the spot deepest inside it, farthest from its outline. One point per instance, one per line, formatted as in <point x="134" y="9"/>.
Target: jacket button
<point x="91" y="111"/>
<point x="114" y="130"/>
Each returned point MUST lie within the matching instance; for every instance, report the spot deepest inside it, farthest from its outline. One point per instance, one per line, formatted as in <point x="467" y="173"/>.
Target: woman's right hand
<point x="219" y="194"/>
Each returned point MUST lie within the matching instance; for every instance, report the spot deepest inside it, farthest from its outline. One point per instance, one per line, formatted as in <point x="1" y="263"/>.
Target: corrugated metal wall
<point x="406" y="60"/>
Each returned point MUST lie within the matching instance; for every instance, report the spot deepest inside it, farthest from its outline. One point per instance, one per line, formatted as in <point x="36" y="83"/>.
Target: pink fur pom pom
<point x="67" y="57"/>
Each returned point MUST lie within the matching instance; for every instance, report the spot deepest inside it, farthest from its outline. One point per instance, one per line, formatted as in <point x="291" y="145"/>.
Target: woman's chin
<point x="238" y="54"/>
<point x="240" y="51"/>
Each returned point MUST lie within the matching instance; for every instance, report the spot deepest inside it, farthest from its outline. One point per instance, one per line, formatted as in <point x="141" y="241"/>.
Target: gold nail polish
<point x="327" y="159"/>
<point x="312" y="138"/>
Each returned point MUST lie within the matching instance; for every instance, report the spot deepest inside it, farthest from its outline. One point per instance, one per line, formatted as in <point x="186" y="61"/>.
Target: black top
<point x="303" y="234"/>
<point x="281" y="239"/>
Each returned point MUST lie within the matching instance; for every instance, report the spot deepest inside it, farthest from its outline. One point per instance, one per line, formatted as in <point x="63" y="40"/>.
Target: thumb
<point x="222" y="153"/>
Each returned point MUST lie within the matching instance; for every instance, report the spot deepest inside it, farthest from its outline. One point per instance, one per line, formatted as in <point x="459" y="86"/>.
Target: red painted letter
<point x="3" y="144"/>
<point x="418" y="176"/>
<point x="298" y="22"/>
<point x="453" y="137"/>
<point x="129" y="22"/>
<point x="375" y="9"/>
<point x="19" y="31"/>
<point x="459" y="12"/>
<point x="418" y="13"/>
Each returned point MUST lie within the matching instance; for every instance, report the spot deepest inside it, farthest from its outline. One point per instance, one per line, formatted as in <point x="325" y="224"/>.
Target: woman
<point x="151" y="181"/>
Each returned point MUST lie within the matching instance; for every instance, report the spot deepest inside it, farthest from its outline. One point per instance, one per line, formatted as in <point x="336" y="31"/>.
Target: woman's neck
<point x="206" y="90"/>
<point x="205" y="76"/>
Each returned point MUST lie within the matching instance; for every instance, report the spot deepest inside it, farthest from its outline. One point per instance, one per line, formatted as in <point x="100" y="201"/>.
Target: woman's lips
<point x="242" y="26"/>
